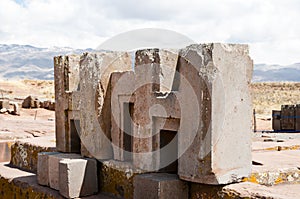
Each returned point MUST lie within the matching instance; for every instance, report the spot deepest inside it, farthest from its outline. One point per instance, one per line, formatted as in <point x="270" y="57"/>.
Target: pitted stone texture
<point x="42" y="168"/>
<point x="160" y="186"/>
<point x="53" y="167"/>
<point x="95" y="93"/>
<point x="78" y="177"/>
<point x="117" y="178"/>
<point x="24" y="153"/>
<point x="220" y="149"/>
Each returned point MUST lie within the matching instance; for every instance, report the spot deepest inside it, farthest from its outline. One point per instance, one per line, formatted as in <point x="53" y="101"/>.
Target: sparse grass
<point x="270" y="96"/>
<point x="21" y="89"/>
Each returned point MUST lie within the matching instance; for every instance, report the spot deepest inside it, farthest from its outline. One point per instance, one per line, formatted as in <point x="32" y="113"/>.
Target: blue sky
<point x="270" y="27"/>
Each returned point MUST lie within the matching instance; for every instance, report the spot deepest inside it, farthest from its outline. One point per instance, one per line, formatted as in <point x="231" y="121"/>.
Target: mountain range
<point x="29" y="62"/>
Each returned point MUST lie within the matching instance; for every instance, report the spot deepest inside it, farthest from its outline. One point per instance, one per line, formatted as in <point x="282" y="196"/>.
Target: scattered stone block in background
<point x="160" y="186"/>
<point x="78" y="177"/>
<point x="4" y="104"/>
<point x="31" y="102"/>
<point x="16" y="108"/>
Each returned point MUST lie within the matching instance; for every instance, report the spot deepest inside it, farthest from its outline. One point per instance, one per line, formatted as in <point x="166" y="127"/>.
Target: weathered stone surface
<point x="219" y="140"/>
<point x="140" y="90"/>
<point x="78" y="177"/>
<point x="160" y="185"/>
<point x="193" y="105"/>
<point x="66" y="69"/>
<point x="251" y="190"/>
<point x="116" y="178"/>
<point x="42" y="168"/>
<point x="53" y="167"/>
<point x="275" y="167"/>
<point x="206" y="191"/>
<point x="24" y="153"/>
<point x="95" y="93"/>
<point x="15" y="183"/>
<point x="19" y="184"/>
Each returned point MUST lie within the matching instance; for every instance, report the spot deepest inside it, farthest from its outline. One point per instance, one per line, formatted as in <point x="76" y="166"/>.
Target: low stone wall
<point x="24" y="153"/>
<point x="116" y="178"/>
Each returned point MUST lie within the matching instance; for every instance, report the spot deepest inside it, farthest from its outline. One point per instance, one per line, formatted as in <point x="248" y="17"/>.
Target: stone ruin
<point x="287" y="119"/>
<point x="128" y="123"/>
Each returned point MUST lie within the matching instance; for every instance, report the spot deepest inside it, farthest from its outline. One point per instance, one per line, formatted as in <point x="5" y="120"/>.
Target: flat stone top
<point x="159" y="176"/>
<point x="45" y="141"/>
<point x="251" y="190"/>
<point x="276" y="160"/>
<point x="10" y="173"/>
<point x="25" y="179"/>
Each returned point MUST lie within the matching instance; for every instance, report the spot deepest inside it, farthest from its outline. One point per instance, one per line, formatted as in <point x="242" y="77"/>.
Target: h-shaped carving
<point x="194" y="103"/>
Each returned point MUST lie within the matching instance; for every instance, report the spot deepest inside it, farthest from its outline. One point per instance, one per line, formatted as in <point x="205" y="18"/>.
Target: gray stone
<point x="78" y="177"/>
<point x="66" y="69"/>
<point x="160" y="186"/>
<point x="215" y="142"/>
<point x="53" y="167"/>
<point x="42" y="168"/>
<point x="186" y="112"/>
<point x="95" y="93"/>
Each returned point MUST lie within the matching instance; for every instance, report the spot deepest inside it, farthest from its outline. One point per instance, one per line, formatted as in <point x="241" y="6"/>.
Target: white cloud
<point x="271" y="27"/>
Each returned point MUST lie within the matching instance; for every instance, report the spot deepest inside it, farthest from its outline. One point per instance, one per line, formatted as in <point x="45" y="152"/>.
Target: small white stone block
<point x="53" y="167"/>
<point x="78" y="177"/>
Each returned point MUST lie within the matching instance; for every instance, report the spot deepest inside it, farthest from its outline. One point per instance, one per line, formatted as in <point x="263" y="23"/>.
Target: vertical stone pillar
<point x="216" y="143"/>
<point x="66" y="78"/>
<point x="95" y="100"/>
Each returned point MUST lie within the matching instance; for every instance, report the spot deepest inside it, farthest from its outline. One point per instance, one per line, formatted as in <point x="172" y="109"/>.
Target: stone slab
<point x="53" y="167"/>
<point x="275" y="167"/>
<point x="160" y="186"/>
<point x="251" y="190"/>
<point x="24" y="153"/>
<point x="15" y="183"/>
<point x="78" y="177"/>
<point x="42" y="168"/>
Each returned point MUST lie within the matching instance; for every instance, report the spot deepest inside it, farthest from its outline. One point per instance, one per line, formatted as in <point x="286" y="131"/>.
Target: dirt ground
<point x="30" y="123"/>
